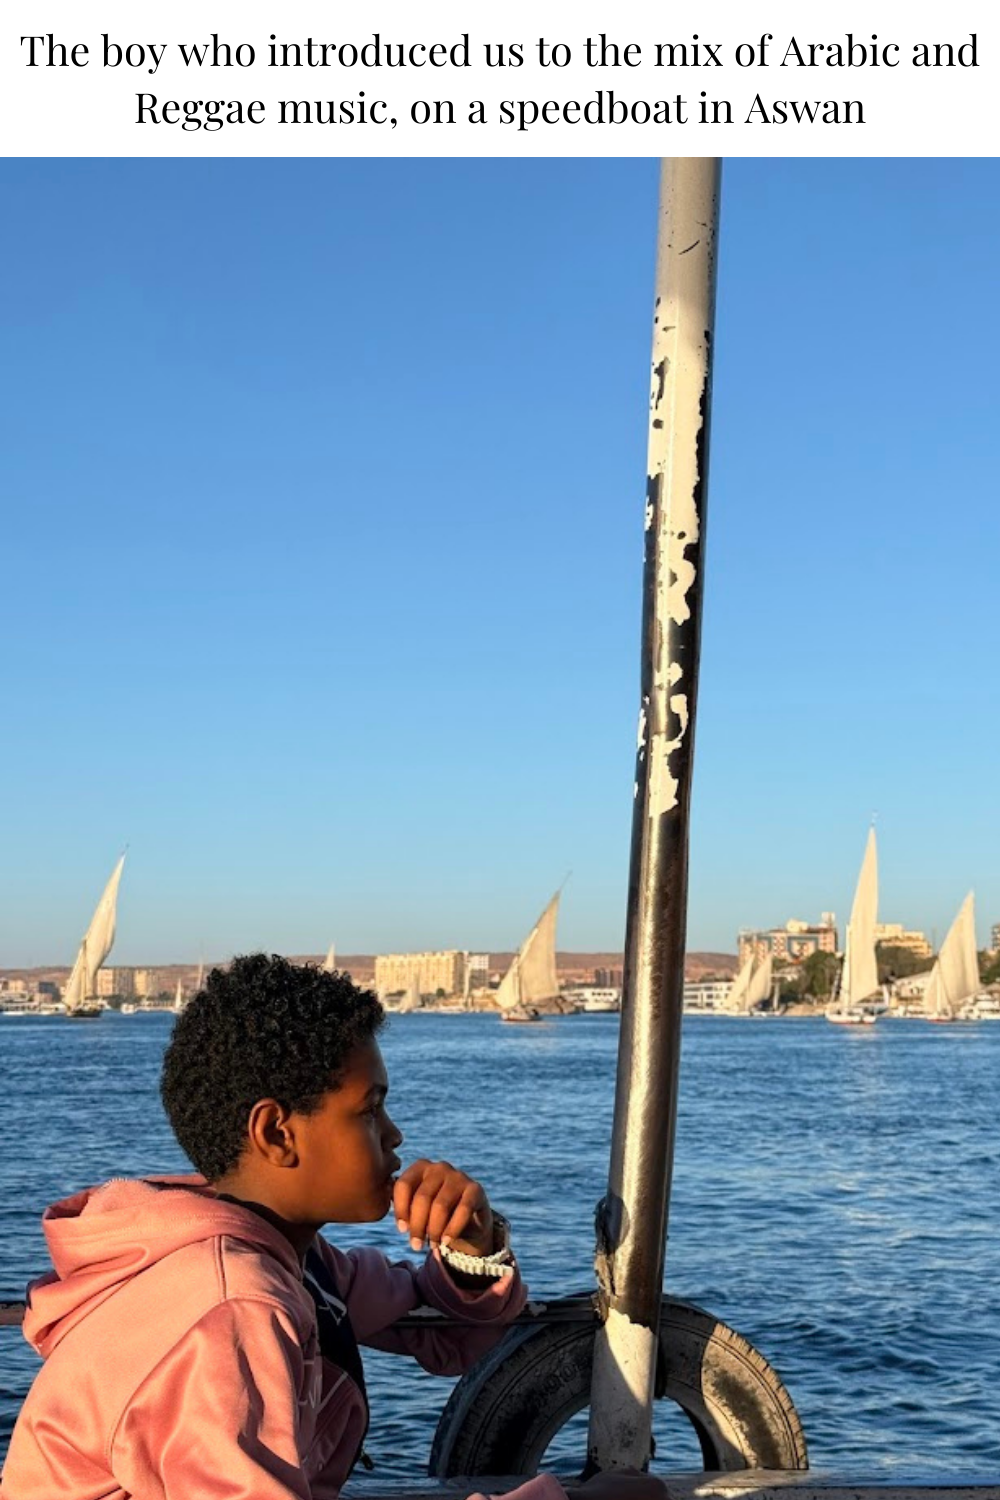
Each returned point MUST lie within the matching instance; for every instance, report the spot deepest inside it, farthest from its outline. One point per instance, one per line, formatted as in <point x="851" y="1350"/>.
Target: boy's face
<point x="347" y="1154"/>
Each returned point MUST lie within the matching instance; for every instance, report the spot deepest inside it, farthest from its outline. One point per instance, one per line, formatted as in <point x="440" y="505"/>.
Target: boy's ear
<point x="272" y="1134"/>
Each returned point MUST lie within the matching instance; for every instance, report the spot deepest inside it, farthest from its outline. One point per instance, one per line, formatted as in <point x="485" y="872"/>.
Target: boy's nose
<point x="395" y="1135"/>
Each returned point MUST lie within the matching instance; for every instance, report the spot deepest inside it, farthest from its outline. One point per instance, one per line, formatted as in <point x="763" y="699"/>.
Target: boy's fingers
<point x="442" y="1211"/>
<point x="434" y="1201"/>
<point x="420" y="1206"/>
<point x="406" y="1185"/>
<point x="472" y="1201"/>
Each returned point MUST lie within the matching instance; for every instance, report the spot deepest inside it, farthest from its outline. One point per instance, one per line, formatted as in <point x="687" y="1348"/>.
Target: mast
<point x="632" y="1218"/>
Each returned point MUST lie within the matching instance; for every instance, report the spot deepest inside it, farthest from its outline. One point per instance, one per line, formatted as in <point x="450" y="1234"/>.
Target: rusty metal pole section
<point x="632" y="1219"/>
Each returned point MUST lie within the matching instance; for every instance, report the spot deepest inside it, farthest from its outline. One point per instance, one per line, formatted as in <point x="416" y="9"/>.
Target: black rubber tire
<point x="503" y="1414"/>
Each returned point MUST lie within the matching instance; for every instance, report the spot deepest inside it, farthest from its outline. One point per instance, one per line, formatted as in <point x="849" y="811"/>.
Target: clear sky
<point x="323" y="491"/>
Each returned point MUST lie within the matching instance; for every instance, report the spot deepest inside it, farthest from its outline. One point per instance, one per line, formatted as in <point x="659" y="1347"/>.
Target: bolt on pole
<point x="632" y="1219"/>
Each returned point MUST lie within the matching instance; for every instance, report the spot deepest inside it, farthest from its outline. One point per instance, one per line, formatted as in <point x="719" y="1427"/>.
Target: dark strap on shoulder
<point x="337" y="1341"/>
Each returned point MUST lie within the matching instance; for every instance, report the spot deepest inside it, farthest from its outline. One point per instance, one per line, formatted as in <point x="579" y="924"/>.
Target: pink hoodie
<point x="181" y="1353"/>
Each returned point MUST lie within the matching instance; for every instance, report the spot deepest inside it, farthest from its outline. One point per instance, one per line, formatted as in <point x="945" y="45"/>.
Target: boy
<point x="200" y="1336"/>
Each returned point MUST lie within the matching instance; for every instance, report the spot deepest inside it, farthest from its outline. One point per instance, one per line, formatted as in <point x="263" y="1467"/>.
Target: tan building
<point x="793" y="942"/>
<point x="429" y="971"/>
<point x="895" y="935"/>
<point x="116" y="982"/>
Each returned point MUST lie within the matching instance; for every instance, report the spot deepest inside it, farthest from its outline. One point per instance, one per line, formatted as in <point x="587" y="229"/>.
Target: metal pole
<point x="632" y="1219"/>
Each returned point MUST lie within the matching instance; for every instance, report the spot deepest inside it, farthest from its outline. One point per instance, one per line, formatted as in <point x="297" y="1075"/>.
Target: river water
<point x="836" y="1198"/>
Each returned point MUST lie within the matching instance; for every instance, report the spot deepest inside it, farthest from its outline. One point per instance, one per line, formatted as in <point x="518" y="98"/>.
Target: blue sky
<point x="323" y="487"/>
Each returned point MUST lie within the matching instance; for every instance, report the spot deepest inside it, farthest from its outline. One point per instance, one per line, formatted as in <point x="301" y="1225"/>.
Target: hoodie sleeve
<point x="219" y="1418"/>
<point x="378" y="1292"/>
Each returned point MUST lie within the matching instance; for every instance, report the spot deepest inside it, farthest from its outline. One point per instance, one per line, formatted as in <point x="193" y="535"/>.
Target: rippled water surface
<point x="836" y="1199"/>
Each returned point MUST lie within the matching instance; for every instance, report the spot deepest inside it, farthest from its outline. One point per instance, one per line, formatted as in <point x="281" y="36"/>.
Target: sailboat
<point x="79" y="994"/>
<point x="749" y="988"/>
<point x="531" y="979"/>
<point x="411" y="1001"/>
<point x="330" y="961"/>
<point x="859" y="971"/>
<point x="179" y="996"/>
<point x="759" y="988"/>
<point x="955" y="976"/>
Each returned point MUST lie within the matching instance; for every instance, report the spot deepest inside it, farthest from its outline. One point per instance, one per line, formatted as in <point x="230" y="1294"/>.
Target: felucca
<point x="955" y="976"/>
<point x="412" y="1000"/>
<point x="750" y="987"/>
<point x="330" y="961"/>
<point x="531" y="979"/>
<point x="859" y="972"/>
<point x="80" y="992"/>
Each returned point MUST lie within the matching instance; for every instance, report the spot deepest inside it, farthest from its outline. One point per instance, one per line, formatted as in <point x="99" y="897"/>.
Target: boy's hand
<point x="436" y="1203"/>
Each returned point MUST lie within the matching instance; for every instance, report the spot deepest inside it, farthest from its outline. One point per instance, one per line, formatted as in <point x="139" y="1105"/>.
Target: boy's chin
<point x="381" y="1203"/>
<point x="375" y="1207"/>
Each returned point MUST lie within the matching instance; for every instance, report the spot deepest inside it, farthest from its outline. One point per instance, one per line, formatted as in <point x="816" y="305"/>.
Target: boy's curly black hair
<point x="262" y="1029"/>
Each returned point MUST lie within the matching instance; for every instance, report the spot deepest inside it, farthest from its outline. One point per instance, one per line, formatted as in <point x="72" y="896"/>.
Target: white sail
<point x="736" y="1000"/>
<point x="330" y="961"/>
<point x="179" y="995"/>
<point x="412" y="999"/>
<point x="200" y="979"/>
<point x="96" y="945"/>
<point x="859" y="975"/>
<point x="531" y="978"/>
<point x="955" y="977"/>
<point x="760" y="985"/>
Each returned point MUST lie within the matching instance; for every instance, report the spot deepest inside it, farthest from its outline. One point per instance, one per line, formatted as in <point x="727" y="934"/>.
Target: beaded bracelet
<point x="500" y="1263"/>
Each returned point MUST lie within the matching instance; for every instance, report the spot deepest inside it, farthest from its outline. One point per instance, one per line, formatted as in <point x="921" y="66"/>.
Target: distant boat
<point x="128" y="1009"/>
<point x="179" y="996"/>
<point x="859" y="971"/>
<point x="736" y="1000"/>
<point x="531" y="979"/>
<point x="411" y="1001"/>
<point x="954" y="980"/>
<point x="603" y="1001"/>
<point x="330" y="961"/>
<point x="983" y="1008"/>
<point x="750" y="988"/>
<point x="80" y="991"/>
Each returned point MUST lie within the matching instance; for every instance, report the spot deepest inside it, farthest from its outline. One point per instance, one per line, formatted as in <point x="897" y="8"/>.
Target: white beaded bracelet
<point x="499" y="1264"/>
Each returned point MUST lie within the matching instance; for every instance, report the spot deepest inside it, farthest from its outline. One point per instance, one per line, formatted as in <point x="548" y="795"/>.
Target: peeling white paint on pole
<point x="624" y="1365"/>
<point x="633" y="1217"/>
<point x="678" y="410"/>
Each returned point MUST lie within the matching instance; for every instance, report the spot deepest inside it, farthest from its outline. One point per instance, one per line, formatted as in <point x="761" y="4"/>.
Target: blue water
<point x="836" y="1198"/>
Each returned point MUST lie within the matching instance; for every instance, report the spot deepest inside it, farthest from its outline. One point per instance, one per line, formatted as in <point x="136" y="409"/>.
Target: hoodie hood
<point x="103" y="1237"/>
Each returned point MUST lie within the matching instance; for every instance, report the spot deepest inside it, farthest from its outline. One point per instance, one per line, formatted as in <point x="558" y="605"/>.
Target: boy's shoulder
<point x="148" y="1259"/>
